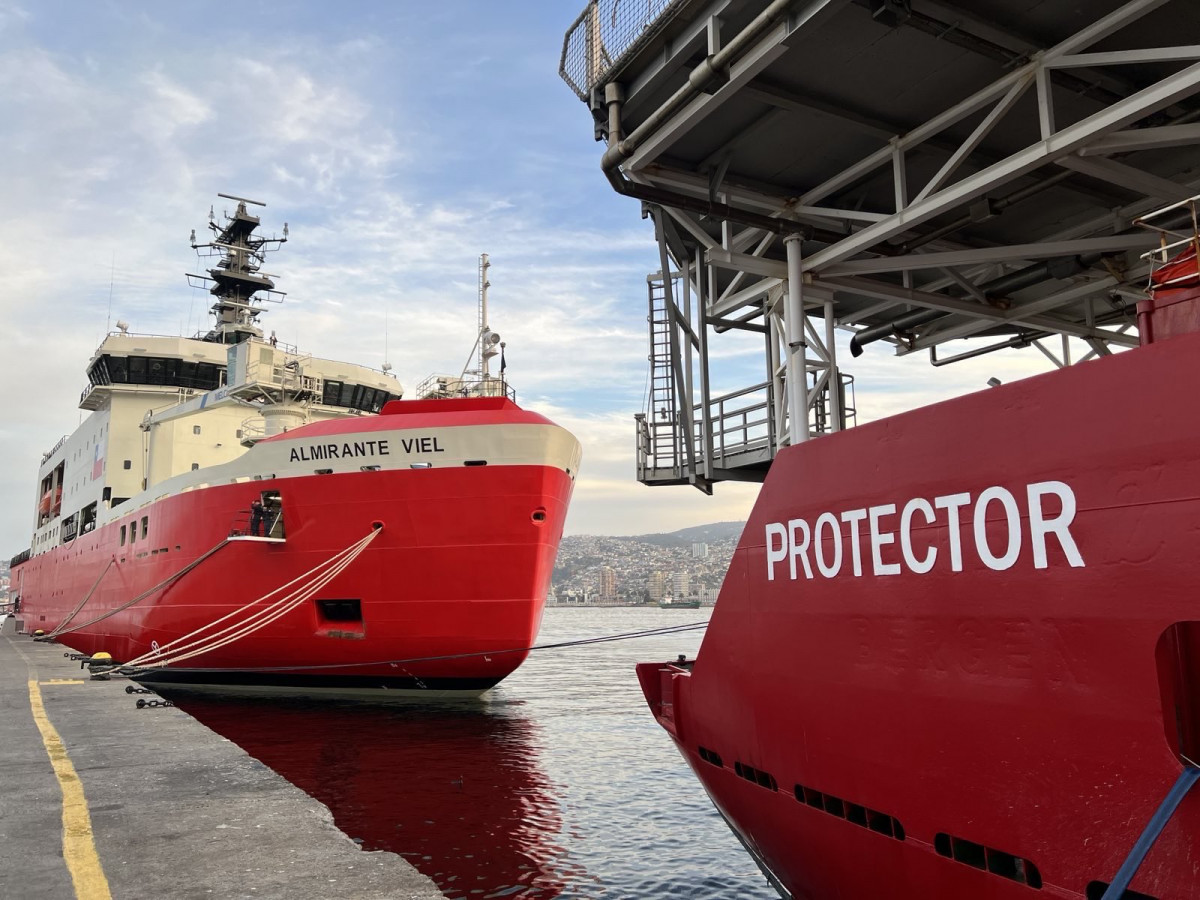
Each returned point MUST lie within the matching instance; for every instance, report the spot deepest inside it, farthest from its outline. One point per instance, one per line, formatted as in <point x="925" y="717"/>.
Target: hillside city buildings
<point x="599" y="570"/>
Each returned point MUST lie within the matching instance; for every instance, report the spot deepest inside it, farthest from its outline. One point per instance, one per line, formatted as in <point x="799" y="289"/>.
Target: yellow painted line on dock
<point x="79" y="851"/>
<point x="63" y="681"/>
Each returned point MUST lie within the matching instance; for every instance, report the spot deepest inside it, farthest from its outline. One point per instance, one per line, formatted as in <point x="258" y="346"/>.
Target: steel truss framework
<point x="903" y="169"/>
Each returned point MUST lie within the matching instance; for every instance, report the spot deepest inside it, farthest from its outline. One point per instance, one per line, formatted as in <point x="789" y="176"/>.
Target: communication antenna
<point x="112" y="275"/>
<point x="387" y="366"/>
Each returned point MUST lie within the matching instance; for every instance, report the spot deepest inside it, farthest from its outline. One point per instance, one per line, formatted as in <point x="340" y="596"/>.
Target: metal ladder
<point x="664" y="450"/>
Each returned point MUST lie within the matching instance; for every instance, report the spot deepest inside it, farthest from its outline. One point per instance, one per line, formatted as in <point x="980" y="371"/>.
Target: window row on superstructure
<point x="156" y="370"/>
<point x="355" y="396"/>
<point x="206" y="376"/>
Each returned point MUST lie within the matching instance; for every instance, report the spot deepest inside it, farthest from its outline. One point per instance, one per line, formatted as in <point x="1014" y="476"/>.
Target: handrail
<point x="449" y="387"/>
<point x="595" y="44"/>
<point x="735" y="429"/>
<point x="49" y="453"/>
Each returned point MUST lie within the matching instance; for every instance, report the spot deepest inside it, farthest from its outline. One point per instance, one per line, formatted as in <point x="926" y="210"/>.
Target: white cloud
<point x="396" y="160"/>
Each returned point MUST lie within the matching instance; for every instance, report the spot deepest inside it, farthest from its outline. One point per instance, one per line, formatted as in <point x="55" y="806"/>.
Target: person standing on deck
<point x="256" y="517"/>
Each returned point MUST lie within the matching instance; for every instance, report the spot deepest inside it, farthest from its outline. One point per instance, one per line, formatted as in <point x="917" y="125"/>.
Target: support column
<point x="797" y="363"/>
<point x="835" y="377"/>
<point x="775" y="393"/>
<point x="704" y="291"/>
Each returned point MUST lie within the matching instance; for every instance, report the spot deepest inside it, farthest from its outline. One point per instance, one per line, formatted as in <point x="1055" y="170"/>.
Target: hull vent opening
<point x="709" y="757"/>
<point x="1014" y="868"/>
<point x="871" y="819"/>
<point x="1096" y="889"/>
<point x="1178" y="658"/>
<point x="340" y="610"/>
<point x="756" y="776"/>
<point x="340" y="618"/>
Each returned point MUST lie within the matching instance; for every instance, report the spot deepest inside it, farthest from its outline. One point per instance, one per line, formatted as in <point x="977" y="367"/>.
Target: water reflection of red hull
<point x="456" y="789"/>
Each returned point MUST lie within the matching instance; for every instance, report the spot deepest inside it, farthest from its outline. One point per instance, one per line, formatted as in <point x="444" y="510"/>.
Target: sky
<point x="398" y="141"/>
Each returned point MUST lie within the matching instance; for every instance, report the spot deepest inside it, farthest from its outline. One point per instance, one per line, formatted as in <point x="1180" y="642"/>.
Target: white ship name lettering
<point x="421" y="445"/>
<point x="819" y="546"/>
<point x="345" y="450"/>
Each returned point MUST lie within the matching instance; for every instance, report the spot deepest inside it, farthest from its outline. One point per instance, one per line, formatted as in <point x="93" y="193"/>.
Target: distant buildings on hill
<point x="597" y="570"/>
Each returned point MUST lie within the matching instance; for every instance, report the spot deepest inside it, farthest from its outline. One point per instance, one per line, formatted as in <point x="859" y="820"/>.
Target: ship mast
<point x="484" y="284"/>
<point x="236" y="278"/>
<point x="487" y="342"/>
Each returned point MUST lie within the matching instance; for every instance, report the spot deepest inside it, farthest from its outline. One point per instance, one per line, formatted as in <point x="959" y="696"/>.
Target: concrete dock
<point x="101" y="799"/>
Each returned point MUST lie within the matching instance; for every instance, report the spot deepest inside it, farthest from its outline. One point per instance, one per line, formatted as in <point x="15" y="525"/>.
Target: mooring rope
<point x="191" y="644"/>
<point x="1187" y="778"/>
<point x="601" y="639"/>
<point x="142" y="596"/>
<point x="67" y="621"/>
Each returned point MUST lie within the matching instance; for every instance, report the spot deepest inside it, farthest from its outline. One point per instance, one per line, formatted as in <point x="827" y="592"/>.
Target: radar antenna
<point x="236" y="280"/>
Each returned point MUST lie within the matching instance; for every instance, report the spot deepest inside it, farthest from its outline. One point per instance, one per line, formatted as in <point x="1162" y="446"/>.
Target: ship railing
<point x="739" y="424"/>
<point x="252" y="430"/>
<point x="284" y="346"/>
<point x="605" y="34"/>
<point x="116" y="332"/>
<point x="49" y="453"/>
<point x="1174" y="241"/>
<point x="21" y="557"/>
<point x="271" y="528"/>
<point x="240" y="526"/>
<point x="740" y="427"/>
<point x="449" y="387"/>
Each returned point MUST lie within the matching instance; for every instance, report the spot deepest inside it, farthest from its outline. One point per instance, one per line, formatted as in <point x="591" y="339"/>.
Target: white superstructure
<point x="163" y="406"/>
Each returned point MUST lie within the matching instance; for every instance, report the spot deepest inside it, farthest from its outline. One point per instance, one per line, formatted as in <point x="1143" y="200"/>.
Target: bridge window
<point x="166" y="371"/>
<point x="354" y="396"/>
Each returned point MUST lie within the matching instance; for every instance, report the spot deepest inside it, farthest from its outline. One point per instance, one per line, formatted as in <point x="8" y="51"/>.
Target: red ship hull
<point x="967" y="710"/>
<point x="450" y="590"/>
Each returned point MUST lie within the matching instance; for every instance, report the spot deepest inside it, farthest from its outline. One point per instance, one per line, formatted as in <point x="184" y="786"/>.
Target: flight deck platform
<point x="932" y="179"/>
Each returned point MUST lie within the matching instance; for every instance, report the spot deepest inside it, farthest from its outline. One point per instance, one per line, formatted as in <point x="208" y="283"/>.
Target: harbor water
<point x="558" y="783"/>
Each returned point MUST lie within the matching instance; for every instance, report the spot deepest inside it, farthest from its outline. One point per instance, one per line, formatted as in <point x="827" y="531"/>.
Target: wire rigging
<point x="136" y="671"/>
